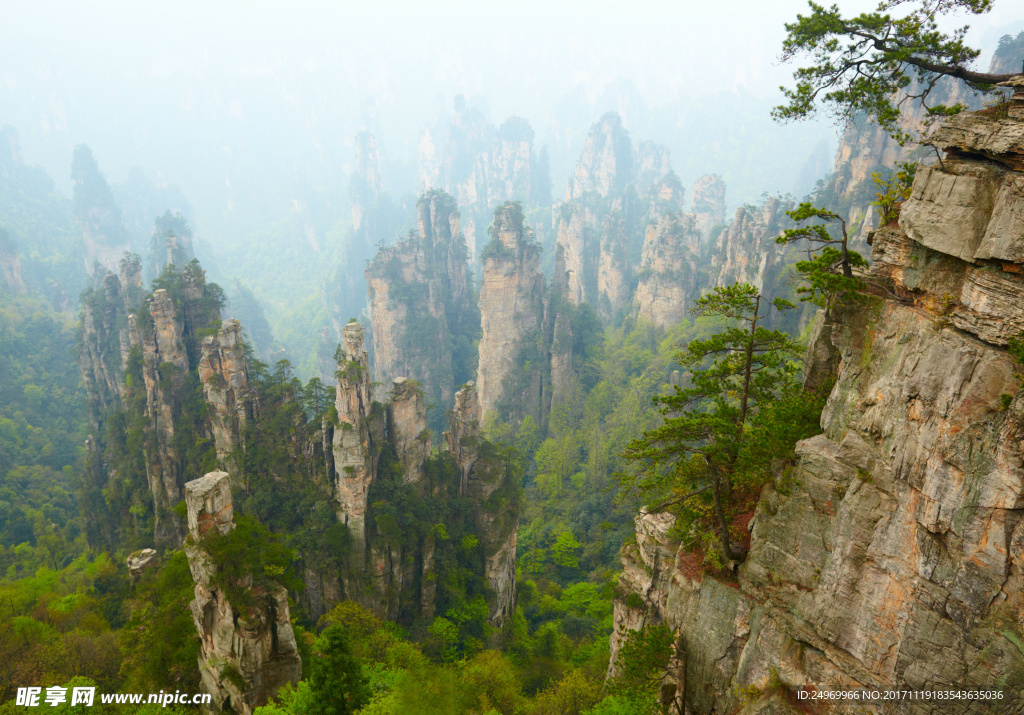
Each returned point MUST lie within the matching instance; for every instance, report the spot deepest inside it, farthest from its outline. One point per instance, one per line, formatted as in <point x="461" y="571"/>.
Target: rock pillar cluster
<point x="668" y="272"/>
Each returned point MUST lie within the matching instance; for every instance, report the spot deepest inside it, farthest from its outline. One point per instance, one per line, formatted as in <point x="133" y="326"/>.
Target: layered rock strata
<point x="246" y="654"/>
<point x="708" y="203"/>
<point x="225" y="376"/>
<point x="890" y="555"/>
<point x="355" y="458"/>
<point x="668" y="272"/>
<point x="511" y="306"/>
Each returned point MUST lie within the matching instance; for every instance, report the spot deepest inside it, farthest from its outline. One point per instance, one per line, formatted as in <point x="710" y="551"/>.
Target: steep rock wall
<point x="511" y="305"/>
<point x="668" y="272"/>
<point x="890" y="555"/>
<point x="256" y="644"/>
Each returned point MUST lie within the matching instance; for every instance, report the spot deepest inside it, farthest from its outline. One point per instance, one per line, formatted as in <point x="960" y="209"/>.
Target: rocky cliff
<point x="357" y="430"/>
<point x="890" y="554"/>
<point x="224" y="373"/>
<point x="247" y="652"/>
<point x="708" y="203"/>
<point x="668" y="274"/>
<point x="383" y="457"/>
<point x="10" y="266"/>
<point x="511" y="309"/>
<point x="421" y="302"/>
<point x="482" y="476"/>
<point x="866" y="148"/>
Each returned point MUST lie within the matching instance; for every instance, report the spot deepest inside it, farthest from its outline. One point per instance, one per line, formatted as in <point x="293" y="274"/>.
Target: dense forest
<point x="464" y="443"/>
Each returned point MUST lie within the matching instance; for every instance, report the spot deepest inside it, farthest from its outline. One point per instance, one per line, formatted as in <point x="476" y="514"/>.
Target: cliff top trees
<point x="869" y="63"/>
<point x="828" y="269"/>
<point x="705" y="442"/>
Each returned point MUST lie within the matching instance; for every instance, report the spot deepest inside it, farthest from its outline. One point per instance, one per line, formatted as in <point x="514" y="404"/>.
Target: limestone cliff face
<point x="367" y="182"/>
<point x="890" y="555"/>
<point x="225" y="377"/>
<point x="162" y="336"/>
<point x="407" y="427"/>
<point x="483" y="478"/>
<point x="708" y="202"/>
<point x="420" y="300"/>
<point x="866" y="148"/>
<point x="246" y="654"/>
<point x="164" y="364"/>
<point x="746" y="251"/>
<point x="606" y="165"/>
<point x="511" y="306"/>
<point x="10" y="266"/>
<point x="355" y="456"/>
<point x="668" y="274"/>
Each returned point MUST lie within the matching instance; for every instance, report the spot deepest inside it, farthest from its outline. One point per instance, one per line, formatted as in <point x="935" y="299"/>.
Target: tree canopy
<point x="875" y="62"/>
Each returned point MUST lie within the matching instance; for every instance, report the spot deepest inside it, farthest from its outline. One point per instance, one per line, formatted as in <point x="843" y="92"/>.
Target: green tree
<point x="874" y="62"/>
<point x="705" y="432"/>
<point x="336" y="678"/>
<point x="828" y="269"/>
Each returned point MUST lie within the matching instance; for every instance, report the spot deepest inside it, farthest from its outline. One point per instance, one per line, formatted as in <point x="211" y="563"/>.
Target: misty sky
<point x="172" y="86"/>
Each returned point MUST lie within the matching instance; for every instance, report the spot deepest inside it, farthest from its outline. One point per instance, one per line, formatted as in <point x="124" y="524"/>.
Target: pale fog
<point x="244" y="114"/>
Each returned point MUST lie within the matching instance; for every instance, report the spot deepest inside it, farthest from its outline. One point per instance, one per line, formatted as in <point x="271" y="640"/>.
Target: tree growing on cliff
<point x="875" y="62"/>
<point x="828" y="269"/>
<point x="704" y="446"/>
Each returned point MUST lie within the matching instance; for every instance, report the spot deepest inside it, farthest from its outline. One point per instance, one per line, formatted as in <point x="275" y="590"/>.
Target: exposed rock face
<point x="163" y="335"/>
<point x="354" y="455"/>
<point x="890" y="555"/>
<point x="139" y="561"/>
<point x="225" y="378"/>
<point x="164" y="364"/>
<point x="708" y="202"/>
<point x="511" y="304"/>
<point x="10" y="266"/>
<point x="866" y="148"/>
<point x="246" y="654"/>
<point x="606" y="165"/>
<point x="668" y="274"/>
<point x="407" y="427"/>
<point x="462" y="440"/>
<point x="483" y="478"/>
<point x="746" y="252"/>
<point x="420" y="300"/>
<point x="613" y="194"/>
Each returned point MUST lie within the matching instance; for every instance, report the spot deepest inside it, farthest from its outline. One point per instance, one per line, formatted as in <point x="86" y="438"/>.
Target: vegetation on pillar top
<point x="875" y="62"/>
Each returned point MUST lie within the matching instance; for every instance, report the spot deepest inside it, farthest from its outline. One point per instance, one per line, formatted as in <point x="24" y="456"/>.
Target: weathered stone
<point x="949" y="208"/>
<point x="1004" y="235"/>
<point x="246" y="653"/>
<point x="888" y="555"/>
<point x="511" y="307"/>
<point x="462" y="440"/>
<point x="354" y="456"/>
<point x="708" y="202"/>
<point x="606" y="164"/>
<point x="140" y="561"/>
<point x="407" y="427"/>
<point x="225" y="377"/>
<point x="668" y="274"/>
